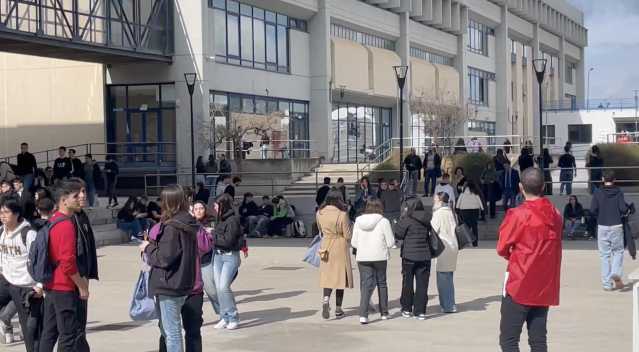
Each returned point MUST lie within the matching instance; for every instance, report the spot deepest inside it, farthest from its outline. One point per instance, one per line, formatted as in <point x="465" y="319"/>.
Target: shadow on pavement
<point x="271" y="297"/>
<point x="123" y="326"/>
<point x="269" y="316"/>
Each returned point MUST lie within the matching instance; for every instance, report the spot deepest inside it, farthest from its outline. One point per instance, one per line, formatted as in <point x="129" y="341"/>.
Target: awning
<point x="382" y="76"/>
<point x="447" y="83"/>
<point x="423" y="79"/>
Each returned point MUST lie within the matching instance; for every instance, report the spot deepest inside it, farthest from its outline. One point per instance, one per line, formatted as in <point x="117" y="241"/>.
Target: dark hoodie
<point x="608" y="205"/>
<point x="228" y="233"/>
<point x="414" y="229"/>
<point x="173" y="257"/>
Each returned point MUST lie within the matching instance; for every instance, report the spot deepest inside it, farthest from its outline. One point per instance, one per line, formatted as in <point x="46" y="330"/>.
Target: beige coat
<point x="337" y="272"/>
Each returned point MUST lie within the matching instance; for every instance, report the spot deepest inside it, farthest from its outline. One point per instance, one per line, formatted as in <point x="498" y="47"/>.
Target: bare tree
<point x="442" y="116"/>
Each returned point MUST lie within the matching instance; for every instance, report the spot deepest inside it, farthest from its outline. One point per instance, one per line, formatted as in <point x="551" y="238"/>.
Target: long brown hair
<point x="173" y="200"/>
<point x="374" y="206"/>
<point x="225" y="204"/>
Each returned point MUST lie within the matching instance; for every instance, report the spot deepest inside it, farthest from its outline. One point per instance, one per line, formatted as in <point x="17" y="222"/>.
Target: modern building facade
<point x="315" y="77"/>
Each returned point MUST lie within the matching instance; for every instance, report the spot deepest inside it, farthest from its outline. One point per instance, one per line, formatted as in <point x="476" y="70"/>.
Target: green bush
<point x="472" y="163"/>
<point x="622" y="155"/>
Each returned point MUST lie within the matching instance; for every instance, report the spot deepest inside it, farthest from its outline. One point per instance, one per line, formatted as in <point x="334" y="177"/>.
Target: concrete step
<point x="109" y="234"/>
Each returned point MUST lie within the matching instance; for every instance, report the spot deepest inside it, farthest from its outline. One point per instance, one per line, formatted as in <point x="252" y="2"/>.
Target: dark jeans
<point x="30" y="318"/>
<point x="111" y="190"/>
<point x="371" y="275"/>
<point x="548" y="183"/>
<point x="430" y="181"/>
<point x="277" y="226"/>
<point x="414" y="299"/>
<point x="64" y="321"/>
<point x="192" y="323"/>
<point x="489" y="198"/>
<point x="469" y="217"/>
<point x="513" y="316"/>
<point x="339" y="295"/>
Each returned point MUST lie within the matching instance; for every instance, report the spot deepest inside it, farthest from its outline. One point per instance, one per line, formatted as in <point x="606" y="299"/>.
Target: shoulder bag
<point x="463" y="234"/>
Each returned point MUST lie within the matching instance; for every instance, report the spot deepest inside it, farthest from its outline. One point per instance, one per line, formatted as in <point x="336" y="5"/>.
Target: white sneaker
<point x="6" y="334"/>
<point x="363" y="320"/>
<point x="232" y="325"/>
<point x="220" y="325"/>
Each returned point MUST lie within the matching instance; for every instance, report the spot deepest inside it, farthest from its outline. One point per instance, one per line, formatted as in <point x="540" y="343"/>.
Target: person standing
<point x="228" y="241"/>
<point x="173" y="260"/>
<point x="470" y="205"/>
<point x="414" y="229"/>
<point x="509" y="186"/>
<point x="392" y="201"/>
<point x="595" y="163"/>
<point x="76" y="165"/>
<point x="92" y="175"/>
<point x="336" y="272"/>
<point x="67" y="292"/>
<point x="341" y="187"/>
<point x="25" y="199"/>
<point x="207" y="225"/>
<point x="490" y="188"/>
<point x="525" y="159"/>
<point x="16" y="239"/>
<point x="200" y="170"/>
<point x="568" y="171"/>
<point x="112" y="171"/>
<point x="432" y="170"/>
<point x="62" y="165"/>
<point x="530" y="239"/>
<point x="363" y="191"/>
<point x="460" y="181"/>
<point x="372" y="238"/>
<point x="608" y="205"/>
<point x="444" y="186"/>
<point x="26" y="166"/>
<point x="413" y="165"/>
<point x="225" y="166"/>
<point x="444" y="224"/>
<point x="323" y="191"/>
<point x="544" y="161"/>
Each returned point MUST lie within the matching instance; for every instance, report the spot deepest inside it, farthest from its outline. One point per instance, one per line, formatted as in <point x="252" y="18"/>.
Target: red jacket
<point x="62" y="250"/>
<point x="530" y="239"/>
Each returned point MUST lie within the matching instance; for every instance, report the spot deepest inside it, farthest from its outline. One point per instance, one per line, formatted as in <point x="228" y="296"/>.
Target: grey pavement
<point x="279" y="301"/>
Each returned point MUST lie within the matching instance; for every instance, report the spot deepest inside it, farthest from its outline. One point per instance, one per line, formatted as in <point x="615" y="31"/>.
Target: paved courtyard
<point x="279" y="305"/>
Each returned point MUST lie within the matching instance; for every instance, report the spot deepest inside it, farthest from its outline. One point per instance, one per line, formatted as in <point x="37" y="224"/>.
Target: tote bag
<point x="312" y="253"/>
<point x="142" y="304"/>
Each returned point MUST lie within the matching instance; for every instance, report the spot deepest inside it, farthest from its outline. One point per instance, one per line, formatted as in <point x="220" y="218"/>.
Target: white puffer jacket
<point x="372" y="236"/>
<point x="14" y="255"/>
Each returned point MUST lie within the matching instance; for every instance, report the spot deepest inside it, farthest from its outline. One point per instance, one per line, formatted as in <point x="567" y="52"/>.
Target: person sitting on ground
<point x="153" y="211"/>
<point x="372" y="238"/>
<point x="573" y="213"/>
<point x="323" y="191"/>
<point x="281" y="217"/>
<point x="392" y="201"/>
<point x="6" y="172"/>
<point x="6" y="188"/>
<point x="248" y="211"/>
<point x="260" y="224"/>
<point x="202" y="194"/>
<point x="444" y="186"/>
<point x="127" y="218"/>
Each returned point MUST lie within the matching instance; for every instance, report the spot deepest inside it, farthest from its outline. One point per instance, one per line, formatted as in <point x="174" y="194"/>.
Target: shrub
<point x="472" y="163"/>
<point x="622" y="155"/>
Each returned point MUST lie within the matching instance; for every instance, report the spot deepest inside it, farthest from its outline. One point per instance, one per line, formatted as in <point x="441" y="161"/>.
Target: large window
<point x="478" y="86"/>
<point x="580" y="134"/>
<point x="357" y="131"/>
<point x="284" y="121"/>
<point x="569" y="72"/>
<point x="478" y="37"/>
<point x="253" y="37"/>
<point x="431" y="57"/>
<point x="487" y="127"/>
<point x="548" y="132"/>
<point x="343" y="32"/>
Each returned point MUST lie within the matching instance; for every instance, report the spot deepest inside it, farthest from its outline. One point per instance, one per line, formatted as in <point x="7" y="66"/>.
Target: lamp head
<point x="190" y="79"/>
<point x="539" y="65"/>
<point x="401" y="72"/>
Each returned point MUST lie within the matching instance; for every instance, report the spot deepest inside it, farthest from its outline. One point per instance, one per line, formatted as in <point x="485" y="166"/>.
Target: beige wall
<point x="382" y="76"/>
<point x="350" y="65"/>
<point x="48" y="102"/>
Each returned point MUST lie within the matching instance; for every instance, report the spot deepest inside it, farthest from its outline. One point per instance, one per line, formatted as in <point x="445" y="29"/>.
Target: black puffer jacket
<point x="87" y="258"/>
<point x="414" y="231"/>
<point x="173" y="257"/>
<point x="228" y="233"/>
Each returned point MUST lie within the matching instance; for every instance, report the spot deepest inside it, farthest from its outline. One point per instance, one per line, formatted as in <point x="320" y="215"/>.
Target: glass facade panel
<point x="271" y="45"/>
<point x="369" y="39"/>
<point x="282" y="48"/>
<point x="357" y="131"/>
<point x="232" y="27"/>
<point x="258" y="40"/>
<point x="247" y="41"/>
<point x="220" y="32"/>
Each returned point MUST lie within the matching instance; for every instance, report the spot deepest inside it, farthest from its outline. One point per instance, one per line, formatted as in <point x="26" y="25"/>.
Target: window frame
<point x="549" y="138"/>
<point x="579" y="140"/>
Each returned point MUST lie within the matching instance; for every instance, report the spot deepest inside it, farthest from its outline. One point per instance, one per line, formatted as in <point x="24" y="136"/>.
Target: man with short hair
<point x="432" y="170"/>
<point x="568" y="170"/>
<point x="608" y="205"/>
<point x="413" y="165"/>
<point x="62" y="165"/>
<point x="26" y="166"/>
<point x="77" y="169"/>
<point x="323" y="191"/>
<point x="530" y="239"/>
<point x="261" y="222"/>
<point x="65" y="293"/>
<point x="444" y="186"/>
<point x="510" y="186"/>
<point x="225" y="165"/>
<point x="24" y="198"/>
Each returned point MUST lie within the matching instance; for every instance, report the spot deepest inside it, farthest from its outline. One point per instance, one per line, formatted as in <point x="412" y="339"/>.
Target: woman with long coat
<point x="336" y="272"/>
<point x="444" y="224"/>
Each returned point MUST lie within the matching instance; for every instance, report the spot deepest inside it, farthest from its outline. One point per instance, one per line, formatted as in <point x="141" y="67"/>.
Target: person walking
<point x="490" y="188"/>
<point x="608" y="205"/>
<point x="509" y="186"/>
<point x="525" y="159"/>
<point x="336" y="272"/>
<point x="568" y="171"/>
<point x="112" y="171"/>
<point x="595" y="162"/>
<point x="414" y="230"/>
<point x="205" y="232"/>
<point x="544" y="161"/>
<point x="445" y="186"/>
<point x="323" y="191"/>
<point x="444" y="224"/>
<point x="573" y="213"/>
<point x="372" y="238"/>
<point x="228" y="241"/>
<point x="530" y="239"/>
<point x="92" y="175"/>
<point x="470" y="205"/>
<point x="173" y="260"/>
<point x="26" y="166"/>
<point x="413" y="165"/>
<point x="432" y="170"/>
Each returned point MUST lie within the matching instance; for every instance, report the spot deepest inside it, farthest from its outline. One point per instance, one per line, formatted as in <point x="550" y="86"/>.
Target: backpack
<point x="39" y="266"/>
<point x="299" y="228"/>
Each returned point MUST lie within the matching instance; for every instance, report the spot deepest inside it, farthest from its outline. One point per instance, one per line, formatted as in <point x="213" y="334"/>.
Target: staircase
<point x="307" y="185"/>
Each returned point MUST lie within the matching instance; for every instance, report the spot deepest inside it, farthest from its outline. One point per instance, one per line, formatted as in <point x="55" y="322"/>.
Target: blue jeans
<point x="208" y="278"/>
<point x="446" y="290"/>
<point x="565" y="185"/>
<point x="90" y="191"/>
<point x="225" y="267"/>
<point x="430" y="181"/>
<point x="132" y="228"/>
<point x="610" y="243"/>
<point x="508" y="200"/>
<point x="27" y="181"/>
<point x="571" y="226"/>
<point x="171" y="321"/>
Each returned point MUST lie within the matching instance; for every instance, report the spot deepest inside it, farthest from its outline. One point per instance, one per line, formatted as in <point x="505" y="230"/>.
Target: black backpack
<point x="39" y="266"/>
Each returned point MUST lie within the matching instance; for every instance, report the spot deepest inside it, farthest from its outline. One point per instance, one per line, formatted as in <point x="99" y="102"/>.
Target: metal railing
<point x="591" y="104"/>
<point x="275" y="149"/>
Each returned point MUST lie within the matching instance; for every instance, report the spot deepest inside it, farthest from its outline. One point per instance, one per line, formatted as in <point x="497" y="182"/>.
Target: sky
<point x="613" y="46"/>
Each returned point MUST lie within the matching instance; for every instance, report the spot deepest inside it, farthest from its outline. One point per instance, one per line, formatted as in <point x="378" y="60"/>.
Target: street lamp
<point x="588" y="93"/>
<point x="400" y="73"/>
<point x="539" y="65"/>
<point x="190" y="79"/>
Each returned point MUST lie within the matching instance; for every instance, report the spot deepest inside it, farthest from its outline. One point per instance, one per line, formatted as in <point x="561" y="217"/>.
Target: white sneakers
<point x="232" y="325"/>
<point x="220" y="325"/>
<point x="363" y="320"/>
<point x="228" y="326"/>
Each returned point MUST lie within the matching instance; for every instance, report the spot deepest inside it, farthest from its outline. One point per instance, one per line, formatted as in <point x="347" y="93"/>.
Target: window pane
<point x="270" y="16"/>
<point x="246" y="10"/>
<point x="282" y="47"/>
<point x="271" y="47"/>
<point x="247" y="39"/>
<point x="220" y="32"/>
<point x="258" y="13"/>
<point x="281" y="19"/>
<point x="260" y="106"/>
<point x="219" y="4"/>
<point x="233" y="35"/>
<point x="233" y="6"/>
<point x="271" y="106"/>
<point x="235" y="105"/>
<point x="258" y="37"/>
<point x="247" y="105"/>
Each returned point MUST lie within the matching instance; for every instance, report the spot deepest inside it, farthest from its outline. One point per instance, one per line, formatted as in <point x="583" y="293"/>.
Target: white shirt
<point x="468" y="200"/>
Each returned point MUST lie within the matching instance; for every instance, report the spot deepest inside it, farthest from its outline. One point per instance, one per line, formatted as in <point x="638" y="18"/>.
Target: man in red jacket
<point x="63" y="295"/>
<point x="530" y="239"/>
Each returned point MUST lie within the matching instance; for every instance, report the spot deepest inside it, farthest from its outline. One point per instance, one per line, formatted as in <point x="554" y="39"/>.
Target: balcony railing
<point x="592" y="104"/>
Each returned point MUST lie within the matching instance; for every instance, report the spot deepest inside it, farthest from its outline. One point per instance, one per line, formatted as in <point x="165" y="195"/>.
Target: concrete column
<point x="562" y="68"/>
<point x="403" y="50"/>
<point x="320" y="104"/>
<point x="534" y="123"/>
<point x="503" y="74"/>
<point x="581" y="80"/>
<point x="462" y="68"/>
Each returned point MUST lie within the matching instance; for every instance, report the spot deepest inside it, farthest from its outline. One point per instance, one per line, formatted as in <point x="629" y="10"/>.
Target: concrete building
<point x="314" y="78"/>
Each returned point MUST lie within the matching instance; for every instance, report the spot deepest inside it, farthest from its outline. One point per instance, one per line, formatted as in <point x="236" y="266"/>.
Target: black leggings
<point x="339" y="295"/>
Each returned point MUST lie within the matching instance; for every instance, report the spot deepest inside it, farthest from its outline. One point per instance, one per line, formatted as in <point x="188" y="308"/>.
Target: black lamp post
<point x="539" y="65"/>
<point x="190" y="79"/>
<point x="401" y="72"/>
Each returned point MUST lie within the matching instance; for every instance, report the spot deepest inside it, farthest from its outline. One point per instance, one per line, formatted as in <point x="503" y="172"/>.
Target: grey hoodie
<point x="608" y="205"/>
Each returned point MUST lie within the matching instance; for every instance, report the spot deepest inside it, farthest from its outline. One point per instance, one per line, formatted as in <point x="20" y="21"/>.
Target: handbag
<point x="142" y="304"/>
<point x="324" y="253"/>
<point x="436" y="244"/>
<point x="463" y="234"/>
<point x="312" y="253"/>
